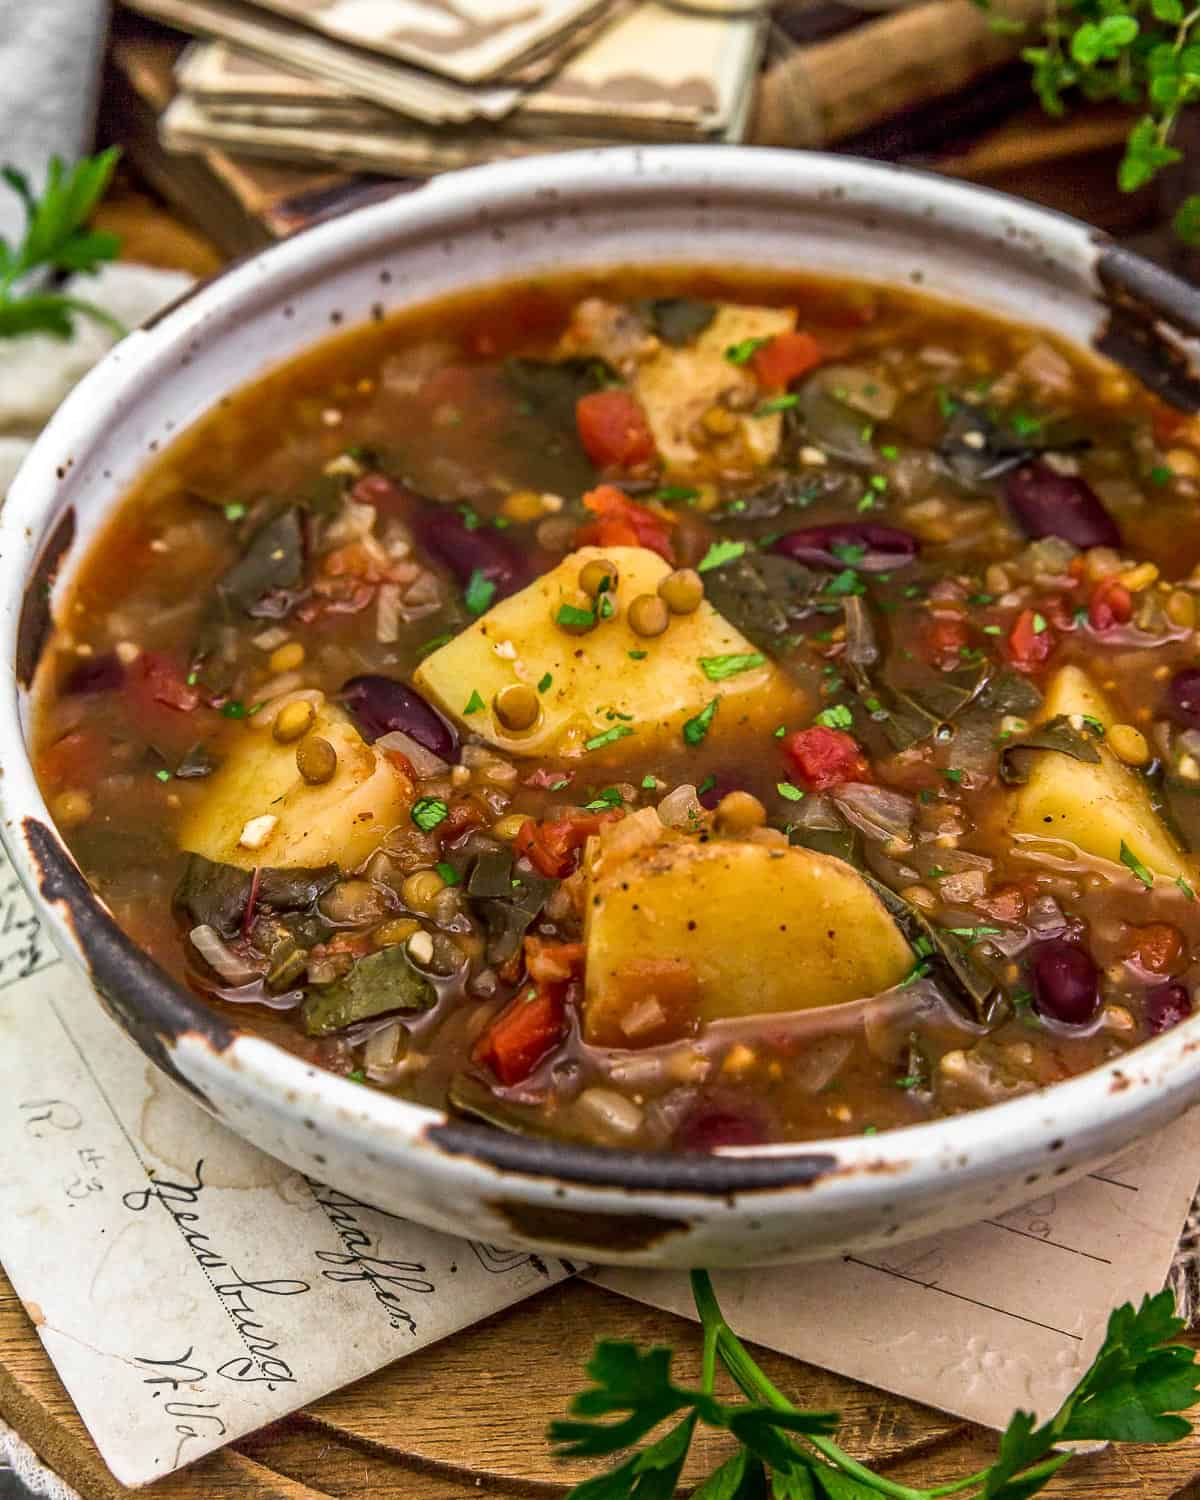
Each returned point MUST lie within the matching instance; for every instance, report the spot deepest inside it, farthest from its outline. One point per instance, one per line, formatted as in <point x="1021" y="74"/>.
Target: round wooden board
<point x="467" y="1417"/>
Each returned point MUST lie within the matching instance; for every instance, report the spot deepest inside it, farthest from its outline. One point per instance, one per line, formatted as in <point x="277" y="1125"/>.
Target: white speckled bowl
<point x="704" y="205"/>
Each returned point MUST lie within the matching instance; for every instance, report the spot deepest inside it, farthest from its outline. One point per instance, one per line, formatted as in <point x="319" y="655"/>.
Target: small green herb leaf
<point x="479" y="593"/>
<point x="428" y="812"/>
<point x="694" y="730"/>
<point x="718" y="554"/>
<point x="717" y="668"/>
<point x="609" y="737"/>
<point x="474" y="703"/>
<point x="1131" y="862"/>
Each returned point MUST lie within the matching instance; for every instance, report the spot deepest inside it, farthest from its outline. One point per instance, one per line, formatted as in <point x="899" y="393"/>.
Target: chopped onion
<point x="680" y="808"/>
<point x="875" y="810"/>
<point x="267" y="640"/>
<point x="424" y="762"/>
<point x="219" y="956"/>
<point x="609" y="1110"/>
<point x="387" y="614"/>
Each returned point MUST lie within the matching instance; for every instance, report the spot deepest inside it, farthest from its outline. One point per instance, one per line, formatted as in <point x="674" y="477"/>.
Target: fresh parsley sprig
<point x="1144" y="53"/>
<point x="1133" y="1392"/>
<point x="56" y="238"/>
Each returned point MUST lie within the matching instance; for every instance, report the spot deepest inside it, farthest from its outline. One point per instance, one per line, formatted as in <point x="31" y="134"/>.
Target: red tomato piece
<point x="1111" y="604"/>
<point x="523" y="1033"/>
<point x="613" y="429"/>
<point x="784" y="358"/>
<point x="162" y="705"/>
<point x="622" y="522"/>
<point x="826" y="757"/>
<point x="552" y="847"/>
<point x="945" y="637"/>
<point x="1030" y="641"/>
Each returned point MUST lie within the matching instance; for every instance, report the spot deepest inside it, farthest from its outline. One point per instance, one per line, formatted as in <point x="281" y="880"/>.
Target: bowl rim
<point x="162" y="1014"/>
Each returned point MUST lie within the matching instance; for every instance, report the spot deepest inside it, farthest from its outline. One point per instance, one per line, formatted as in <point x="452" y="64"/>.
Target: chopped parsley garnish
<point x="1131" y="862"/>
<point x="849" y="552"/>
<point x="866" y="502"/>
<point x="717" y="668"/>
<point x="637" y="655"/>
<point x="479" y="593"/>
<point x="448" y="873"/>
<point x="742" y="353"/>
<point x="428" y="812"/>
<point x="356" y="1075"/>
<point x="845" y="582"/>
<point x="1185" y="888"/>
<point x="1023" y="424"/>
<point x="609" y="737"/>
<point x="974" y="934"/>
<point x="235" y="511"/>
<point x="605" y="608"/>
<point x="982" y="599"/>
<point x="774" y="404"/>
<point x="706" y="785"/>
<point x="545" y="682"/>
<point x="572" y="617"/>
<point x="992" y="630"/>
<point x="912" y="1081"/>
<point x="1094" y="725"/>
<point x="878" y="482"/>
<point x="557" y="786"/>
<point x="719" y="553"/>
<point x="1039" y="624"/>
<point x="953" y="775"/>
<point x="789" y="791"/>
<point x="474" y="703"/>
<point x="162" y="775"/>
<point x="609" y="797"/>
<point x="649" y="783"/>
<point x="890" y="452"/>
<point x="837" y="716"/>
<point x="694" y="730"/>
<point x="779" y="731"/>
<point x="1160" y="474"/>
<point x="470" y="517"/>
<point x="947" y="404"/>
<point x="234" y="709"/>
<point x="671" y="492"/>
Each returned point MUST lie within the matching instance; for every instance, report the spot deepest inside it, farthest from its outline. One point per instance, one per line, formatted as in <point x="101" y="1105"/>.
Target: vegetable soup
<point x="662" y="708"/>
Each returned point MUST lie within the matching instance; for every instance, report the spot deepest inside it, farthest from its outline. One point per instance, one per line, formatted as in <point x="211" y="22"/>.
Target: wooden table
<point x="467" y="1417"/>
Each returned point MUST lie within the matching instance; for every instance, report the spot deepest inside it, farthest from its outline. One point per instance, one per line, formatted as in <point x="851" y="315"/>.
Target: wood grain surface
<point x="467" y="1417"/>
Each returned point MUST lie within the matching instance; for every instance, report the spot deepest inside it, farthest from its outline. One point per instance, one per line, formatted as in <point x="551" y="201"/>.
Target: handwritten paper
<point x="1003" y="1314"/>
<point x="188" y="1288"/>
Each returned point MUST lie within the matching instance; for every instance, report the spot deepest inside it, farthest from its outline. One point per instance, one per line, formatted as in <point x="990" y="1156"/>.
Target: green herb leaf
<point x="742" y="353"/>
<point x="609" y="737"/>
<point x="717" y="668"/>
<point x="609" y="797"/>
<point x="474" y="703"/>
<point x="694" y="730"/>
<point x="776" y="403"/>
<point x="1185" y="887"/>
<point x="479" y="593"/>
<point x="448" y="873"/>
<point x="1131" y="862"/>
<point x="572" y="617"/>
<point x="718" y="554"/>
<point x="56" y="238"/>
<point x="1058" y="735"/>
<point x="435" y="644"/>
<point x="789" y="791"/>
<point x="545" y="683"/>
<point x="649" y="783"/>
<point x="837" y="716"/>
<point x="428" y="812"/>
<point x="676" y="492"/>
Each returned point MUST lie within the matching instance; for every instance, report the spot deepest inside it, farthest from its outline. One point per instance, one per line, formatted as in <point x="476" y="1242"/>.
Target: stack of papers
<point x="416" y="87"/>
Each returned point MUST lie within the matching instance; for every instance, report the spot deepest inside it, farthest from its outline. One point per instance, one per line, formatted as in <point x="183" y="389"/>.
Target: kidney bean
<point x="1165" y="1006"/>
<point x="380" y="705"/>
<point x="1065" y="983"/>
<point x="884" y="547"/>
<point x="1047" y="503"/>
<point x="1183" y="697"/>
<point x="445" y="535"/>
<point x="94" y="674"/>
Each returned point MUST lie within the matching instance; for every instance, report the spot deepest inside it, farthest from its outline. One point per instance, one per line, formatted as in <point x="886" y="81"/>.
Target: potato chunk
<point x="1094" y="807"/>
<point x="680" y="930"/>
<point x="677" y="387"/>
<point x="596" y="687"/>
<point x="291" y="823"/>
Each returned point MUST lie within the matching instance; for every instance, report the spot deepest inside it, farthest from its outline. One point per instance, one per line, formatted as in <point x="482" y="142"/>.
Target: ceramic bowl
<point x="703" y="205"/>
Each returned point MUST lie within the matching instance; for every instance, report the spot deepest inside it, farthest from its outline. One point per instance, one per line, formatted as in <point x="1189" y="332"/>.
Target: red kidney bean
<point x="380" y="705"/>
<point x="1047" y="503"/>
<point x="95" y="674"/>
<point x="1165" y="1006"/>
<point x="1183" y="697"/>
<point x="445" y="535"/>
<point x="1065" y="983"/>
<point x="711" y="1128"/>
<point x="884" y="547"/>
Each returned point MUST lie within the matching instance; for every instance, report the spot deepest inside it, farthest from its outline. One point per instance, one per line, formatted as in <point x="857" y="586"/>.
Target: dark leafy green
<point x="762" y="596"/>
<point x="472" y="1097"/>
<point x="272" y="561"/>
<point x="1010" y="693"/>
<point x="550" y="388"/>
<point x="196" y="763"/>
<point x="945" y="956"/>
<point x="676" y="320"/>
<point x="1057" y="736"/>
<point x="293" y="889"/>
<point x="506" y="899"/>
<point x="377" y="985"/>
<point x="979" y="446"/>
<point x="213" y="895"/>
<point x="839" y="839"/>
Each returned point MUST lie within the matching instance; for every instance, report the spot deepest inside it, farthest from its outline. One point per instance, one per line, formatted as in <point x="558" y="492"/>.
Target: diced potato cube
<point x="734" y="928"/>
<point x="677" y="387"/>
<point x="1094" y="807"/>
<point x="259" y="788"/>
<point x="596" y="687"/>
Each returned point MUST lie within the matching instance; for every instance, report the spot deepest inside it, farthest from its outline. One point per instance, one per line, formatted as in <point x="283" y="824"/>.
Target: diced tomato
<point x="945" y="636"/>
<point x="162" y="705"/>
<point x="523" y="1033"/>
<point x="622" y="522"/>
<point x="613" y="429"/>
<point x="77" y="761"/>
<point x="784" y="358"/>
<point x="826" y="757"/>
<point x="552" y="847"/>
<point x="553" y="963"/>
<point x="1030" y="641"/>
<point x="1111" y="604"/>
